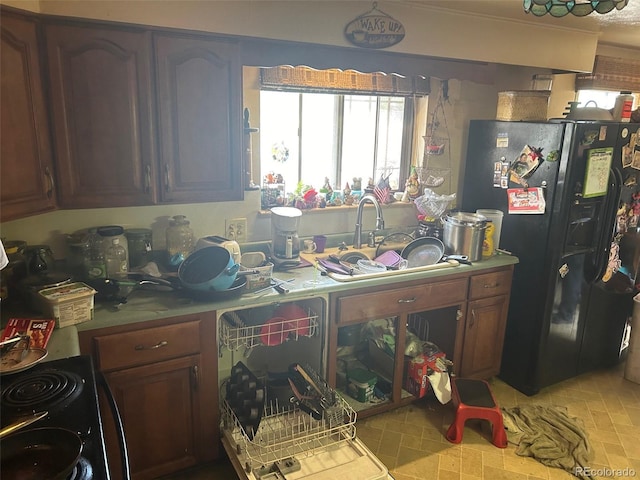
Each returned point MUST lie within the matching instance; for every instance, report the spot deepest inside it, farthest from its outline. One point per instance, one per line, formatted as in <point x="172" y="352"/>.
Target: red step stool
<point x="473" y="400"/>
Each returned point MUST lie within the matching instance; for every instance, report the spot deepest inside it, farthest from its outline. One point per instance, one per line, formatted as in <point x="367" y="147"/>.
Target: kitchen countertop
<point x="145" y="305"/>
<point x="149" y="305"/>
<point x="63" y="343"/>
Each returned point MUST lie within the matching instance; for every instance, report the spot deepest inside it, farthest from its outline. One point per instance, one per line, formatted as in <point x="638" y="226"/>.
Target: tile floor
<point x="411" y="442"/>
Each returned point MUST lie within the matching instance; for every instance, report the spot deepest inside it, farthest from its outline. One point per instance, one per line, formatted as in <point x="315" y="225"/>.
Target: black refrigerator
<point x="561" y="186"/>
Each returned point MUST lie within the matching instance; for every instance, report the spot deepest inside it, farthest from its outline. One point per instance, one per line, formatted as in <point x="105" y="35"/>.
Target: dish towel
<point x="549" y="435"/>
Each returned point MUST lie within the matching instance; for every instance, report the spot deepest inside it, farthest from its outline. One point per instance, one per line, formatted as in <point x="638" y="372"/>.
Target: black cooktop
<point x="66" y="388"/>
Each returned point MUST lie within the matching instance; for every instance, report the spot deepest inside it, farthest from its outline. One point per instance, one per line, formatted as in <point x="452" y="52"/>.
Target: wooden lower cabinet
<point x="372" y="331"/>
<point x="164" y="379"/>
<point x="485" y="324"/>
<point x="156" y="402"/>
<point x="379" y="330"/>
<point x="483" y="337"/>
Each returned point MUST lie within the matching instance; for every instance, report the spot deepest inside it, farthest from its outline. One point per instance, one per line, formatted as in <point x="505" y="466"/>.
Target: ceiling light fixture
<point x="579" y="8"/>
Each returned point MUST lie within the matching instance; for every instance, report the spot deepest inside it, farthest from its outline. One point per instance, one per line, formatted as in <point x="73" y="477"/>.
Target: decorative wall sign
<point x="374" y="29"/>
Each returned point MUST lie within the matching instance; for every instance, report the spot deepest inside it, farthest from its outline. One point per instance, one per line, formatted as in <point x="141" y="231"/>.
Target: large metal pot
<point x="464" y="234"/>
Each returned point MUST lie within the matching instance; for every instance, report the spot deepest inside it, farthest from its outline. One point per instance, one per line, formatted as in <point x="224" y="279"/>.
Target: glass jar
<point x="180" y="238"/>
<point x="139" y="241"/>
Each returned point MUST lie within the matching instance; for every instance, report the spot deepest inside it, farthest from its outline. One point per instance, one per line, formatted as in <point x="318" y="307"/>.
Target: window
<point x="338" y="125"/>
<point x="307" y="137"/>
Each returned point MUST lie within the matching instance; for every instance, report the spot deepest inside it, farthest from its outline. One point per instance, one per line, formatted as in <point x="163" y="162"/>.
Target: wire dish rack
<point x="234" y="334"/>
<point x="284" y="434"/>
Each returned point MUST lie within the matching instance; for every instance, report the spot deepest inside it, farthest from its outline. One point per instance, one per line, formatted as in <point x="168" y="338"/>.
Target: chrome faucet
<point x="357" y="237"/>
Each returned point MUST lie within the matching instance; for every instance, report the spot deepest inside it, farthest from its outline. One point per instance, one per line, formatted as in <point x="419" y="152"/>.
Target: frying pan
<point x="39" y="453"/>
<point x="428" y="251"/>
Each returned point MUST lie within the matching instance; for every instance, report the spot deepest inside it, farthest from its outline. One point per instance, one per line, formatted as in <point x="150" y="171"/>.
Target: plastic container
<point x="360" y="384"/>
<point x="180" y="238"/>
<point x="262" y="279"/>
<point x="623" y="107"/>
<point x="68" y="304"/>
<point x="488" y="249"/>
<point x="496" y="218"/>
<point x="116" y="259"/>
<point x="370" y="266"/>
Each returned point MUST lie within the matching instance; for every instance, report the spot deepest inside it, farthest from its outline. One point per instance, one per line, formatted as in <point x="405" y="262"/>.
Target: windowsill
<point x="343" y="208"/>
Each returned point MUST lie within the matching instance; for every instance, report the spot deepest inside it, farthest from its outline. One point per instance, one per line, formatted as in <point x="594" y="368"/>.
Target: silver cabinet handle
<point x="47" y="173"/>
<point x="491" y="285"/>
<point x="473" y="318"/>
<point x="166" y="177"/>
<point x="196" y="376"/>
<point x="147" y="178"/>
<point x="407" y="300"/>
<point x="163" y="343"/>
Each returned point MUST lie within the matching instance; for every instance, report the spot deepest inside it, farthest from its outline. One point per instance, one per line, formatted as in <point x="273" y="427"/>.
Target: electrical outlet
<point x="236" y="229"/>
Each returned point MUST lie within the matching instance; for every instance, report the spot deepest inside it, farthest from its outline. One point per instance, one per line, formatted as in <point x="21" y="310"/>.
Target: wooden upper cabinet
<point x="101" y="97"/>
<point x="26" y="179"/>
<point x="199" y="92"/>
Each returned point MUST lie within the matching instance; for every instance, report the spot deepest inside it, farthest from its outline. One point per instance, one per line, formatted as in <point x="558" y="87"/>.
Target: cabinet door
<point x="200" y="119"/>
<point x="101" y="95"/>
<point x="160" y="411"/>
<point x="26" y="185"/>
<point x="484" y="336"/>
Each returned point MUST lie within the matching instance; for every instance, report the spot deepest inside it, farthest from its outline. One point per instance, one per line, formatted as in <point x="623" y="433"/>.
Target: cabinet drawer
<point x="490" y="284"/>
<point x="395" y="302"/>
<point x="149" y="345"/>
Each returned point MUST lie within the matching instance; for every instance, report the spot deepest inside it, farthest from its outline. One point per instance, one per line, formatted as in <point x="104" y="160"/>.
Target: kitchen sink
<point x="369" y="253"/>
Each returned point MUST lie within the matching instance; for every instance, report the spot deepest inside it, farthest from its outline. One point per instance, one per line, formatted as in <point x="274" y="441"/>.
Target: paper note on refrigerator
<point x="596" y="177"/>
<point x="526" y="200"/>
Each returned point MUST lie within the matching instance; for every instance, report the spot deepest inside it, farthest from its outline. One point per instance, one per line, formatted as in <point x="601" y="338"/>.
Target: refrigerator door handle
<point x="603" y="246"/>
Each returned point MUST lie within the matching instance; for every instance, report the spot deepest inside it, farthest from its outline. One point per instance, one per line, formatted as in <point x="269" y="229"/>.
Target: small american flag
<point x="382" y="190"/>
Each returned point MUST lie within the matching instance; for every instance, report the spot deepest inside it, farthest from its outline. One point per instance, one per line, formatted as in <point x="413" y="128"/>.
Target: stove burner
<point x="44" y="390"/>
<point x="82" y="470"/>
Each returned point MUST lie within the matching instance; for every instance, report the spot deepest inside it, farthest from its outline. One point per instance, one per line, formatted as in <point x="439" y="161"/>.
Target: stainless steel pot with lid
<point x="464" y="234"/>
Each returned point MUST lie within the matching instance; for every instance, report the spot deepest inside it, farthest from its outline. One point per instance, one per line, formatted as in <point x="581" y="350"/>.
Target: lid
<point x="110" y="230"/>
<point x="360" y="375"/>
<point x="137" y="232"/>
<point x="466" y="219"/>
<point x="286" y="211"/>
<point x="67" y="292"/>
<point x="179" y="220"/>
<point x="46" y="280"/>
